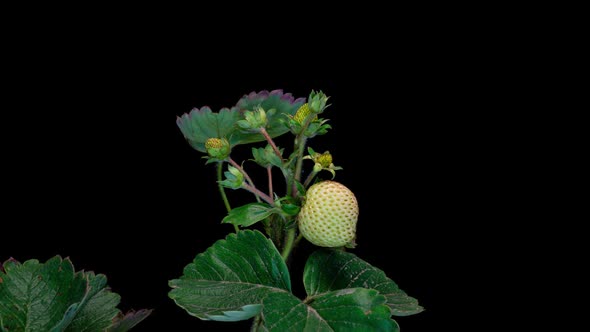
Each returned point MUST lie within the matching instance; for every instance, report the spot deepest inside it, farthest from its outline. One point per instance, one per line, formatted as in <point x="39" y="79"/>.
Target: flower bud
<point x="233" y="178"/>
<point x="324" y="159"/>
<point x="217" y="148"/>
<point x="253" y="120"/>
<point x="302" y="114"/>
<point x="317" y="102"/>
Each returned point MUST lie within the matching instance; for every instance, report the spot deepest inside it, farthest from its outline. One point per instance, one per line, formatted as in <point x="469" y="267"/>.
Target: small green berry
<point x="217" y="148"/>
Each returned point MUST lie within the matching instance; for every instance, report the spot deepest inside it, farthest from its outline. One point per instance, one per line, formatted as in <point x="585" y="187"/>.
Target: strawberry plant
<point x="247" y="275"/>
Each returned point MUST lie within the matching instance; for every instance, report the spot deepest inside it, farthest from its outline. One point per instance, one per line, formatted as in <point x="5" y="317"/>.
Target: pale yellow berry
<point x="329" y="215"/>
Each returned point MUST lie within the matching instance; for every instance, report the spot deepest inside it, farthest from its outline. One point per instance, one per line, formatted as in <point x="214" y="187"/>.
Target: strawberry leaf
<point x="53" y="297"/>
<point x="249" y="214"/>
<point x="329" y="270"/>
<point x="230" y="279"/>
<point x="244" y="275"/>
<point x="200" y="124"/>
<point x="355" y="309"/>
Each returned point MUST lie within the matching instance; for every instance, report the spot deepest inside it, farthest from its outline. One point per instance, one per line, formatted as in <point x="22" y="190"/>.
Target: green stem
<point x="288" y="175"/>
<point x="277" y="227"/>
<point x="270" y="188"/>
<point x="299" y="164"/>
<point x="309" y="178"/>
<point x="222" y="190"/>
<point x="300" y="141"/>
<point x="299" y="237"/>
<point x="289" y="241"/>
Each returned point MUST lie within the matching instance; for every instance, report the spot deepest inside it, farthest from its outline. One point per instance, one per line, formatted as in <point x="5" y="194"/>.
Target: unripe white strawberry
<point x="329" y="214"/>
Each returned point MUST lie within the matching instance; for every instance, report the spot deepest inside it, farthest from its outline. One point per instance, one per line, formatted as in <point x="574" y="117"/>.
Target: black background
<point x="95" y="168"/>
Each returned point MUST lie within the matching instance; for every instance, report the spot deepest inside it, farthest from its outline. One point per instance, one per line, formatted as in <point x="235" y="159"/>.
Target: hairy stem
<point x="222" y="190"/>
<point x="299" y="164"/>
<point x="309" y="178"/>
<point x="299" y="237"/>
<point x="270" y="188"/>
<point x="300" y="141"/>
<point x="288" y="175"/>
<point x="258" y="193"/>
<point x="271" y="142"/>
<point x="278" y="235"/>
<point x="289" y="244"/>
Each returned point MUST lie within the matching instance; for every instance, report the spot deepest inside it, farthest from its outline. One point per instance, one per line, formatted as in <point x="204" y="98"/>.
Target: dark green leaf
<point x="249" y="214"/>
<point x="229" y="280"/>
<point x="244" y="275"/>
<point x="53" y="297"/>
<point x="97" y="309"/>
<point x="328" y="270"/>
<point x="28" y="293"/>
<point x="356" y="309"/>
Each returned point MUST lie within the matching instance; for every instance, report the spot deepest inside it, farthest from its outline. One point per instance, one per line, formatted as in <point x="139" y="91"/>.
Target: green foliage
<point x="248" y="214"/>
<point x="229" y="280"/>
<point x="53" y="297"/>
<point x="248" y="264"/>
<point x="329" y="269"/>
<point x="246" y="275"/>
<point x="355" y="309"/>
